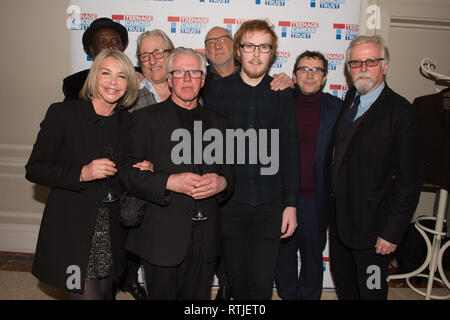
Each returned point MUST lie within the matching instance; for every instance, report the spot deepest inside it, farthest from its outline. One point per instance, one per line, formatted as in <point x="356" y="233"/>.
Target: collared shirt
<point x="147" y="84"/>
<point x="368" y="99"/>
<point x="258" y="107"/>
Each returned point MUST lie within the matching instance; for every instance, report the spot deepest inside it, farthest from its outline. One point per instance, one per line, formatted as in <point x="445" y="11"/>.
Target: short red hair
<point x="251" y="26"/>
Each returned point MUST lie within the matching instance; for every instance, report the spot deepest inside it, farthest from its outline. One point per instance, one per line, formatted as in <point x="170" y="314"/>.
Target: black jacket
<point x="378" y="175"/>
<point x="73" y="84"/>
<point x="436" y="125"/>
<point x="70" y="137"/>
<point x="165" y="232"/>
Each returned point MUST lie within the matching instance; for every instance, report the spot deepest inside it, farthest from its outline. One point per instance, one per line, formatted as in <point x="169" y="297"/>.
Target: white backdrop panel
<point x="324" y="25"/>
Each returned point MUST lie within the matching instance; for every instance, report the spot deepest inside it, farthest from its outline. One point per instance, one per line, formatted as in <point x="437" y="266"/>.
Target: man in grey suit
<point x="376" y="174"/>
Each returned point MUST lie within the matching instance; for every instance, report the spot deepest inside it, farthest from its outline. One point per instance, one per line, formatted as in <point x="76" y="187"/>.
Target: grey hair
<point x="153" y="33"/>
<point x="369" y="39"/>
<point x="182" y="50"/>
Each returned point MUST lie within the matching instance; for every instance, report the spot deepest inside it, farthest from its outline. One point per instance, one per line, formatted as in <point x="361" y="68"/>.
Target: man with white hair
<point x="179" y="253"/>
<point x="376" y="174"/>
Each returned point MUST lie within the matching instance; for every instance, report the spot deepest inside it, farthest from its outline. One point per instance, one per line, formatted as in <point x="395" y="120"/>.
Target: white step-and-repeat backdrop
<point x="324" y="25"/>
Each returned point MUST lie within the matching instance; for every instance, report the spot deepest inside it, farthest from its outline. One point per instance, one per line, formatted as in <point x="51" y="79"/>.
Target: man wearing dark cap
<point x="103" y="33"/>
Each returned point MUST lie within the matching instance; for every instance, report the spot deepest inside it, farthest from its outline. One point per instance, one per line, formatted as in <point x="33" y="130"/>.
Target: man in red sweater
<point x="316" y="113"/>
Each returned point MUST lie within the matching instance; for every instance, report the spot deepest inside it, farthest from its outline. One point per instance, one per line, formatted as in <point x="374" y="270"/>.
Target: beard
<point x="254" y="74"/>
<point x="363" y="85"/>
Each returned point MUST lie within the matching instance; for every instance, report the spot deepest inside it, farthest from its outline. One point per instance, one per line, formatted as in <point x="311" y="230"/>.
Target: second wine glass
<point x="198" y="213"/>
<point x="110" y="195"/>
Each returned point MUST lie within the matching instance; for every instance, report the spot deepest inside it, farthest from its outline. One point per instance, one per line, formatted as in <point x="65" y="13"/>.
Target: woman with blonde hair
<point x="80" y="244"/>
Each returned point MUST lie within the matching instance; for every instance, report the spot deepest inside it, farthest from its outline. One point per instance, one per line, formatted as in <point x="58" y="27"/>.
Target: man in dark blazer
<point x="103" y="33"/>
<point x="376" y="162"/>
<point x="179" y="254"/>
<point x="316" y="113"/>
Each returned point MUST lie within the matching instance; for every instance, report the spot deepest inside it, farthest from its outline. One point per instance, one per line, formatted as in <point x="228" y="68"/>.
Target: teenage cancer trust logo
<point x="232" y="23"/>
<point x="187" y="25"/>
<point x="298" y="29"/>
<point x="339" y="90"/>
<point x="274" y="3"/>
<point x="346" y="31"/>
<point x="133" y="23"/>
<point x="80" y="21"/>
<point x="327" y="4"/>
<point x="281" y="59"/>
<point x="334" y="60"/>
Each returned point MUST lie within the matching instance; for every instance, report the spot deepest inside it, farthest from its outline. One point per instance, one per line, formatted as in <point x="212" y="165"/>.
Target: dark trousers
<point x="130" y="275"/>
<point x="251" y="238"/>
<point x="357" y="274"/>
<point x="221" y="271"/>
<point x="190" y="280"/>
<point x="307" y="285"/>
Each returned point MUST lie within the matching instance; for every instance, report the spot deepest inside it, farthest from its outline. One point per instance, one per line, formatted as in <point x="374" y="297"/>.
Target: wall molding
<point x="17" y="147"/>
<point x="420" y="23"/>
<point x="16" y="236"/>
<point x="12" y="158"/>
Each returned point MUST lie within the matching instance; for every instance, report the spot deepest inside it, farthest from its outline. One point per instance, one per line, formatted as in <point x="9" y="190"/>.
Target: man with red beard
<point x="262" y="208"/>
<point x="376" y="159"/>
<point x="219" y="52"/>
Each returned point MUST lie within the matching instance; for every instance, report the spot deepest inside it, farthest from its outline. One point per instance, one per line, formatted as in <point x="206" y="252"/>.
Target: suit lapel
<point x="371" y="116"/>
<point x="337" y="160"/>
<point x="325" y="127"/>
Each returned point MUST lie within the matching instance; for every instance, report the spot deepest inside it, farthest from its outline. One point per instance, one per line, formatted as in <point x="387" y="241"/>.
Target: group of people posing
<point x="353" y="167"/>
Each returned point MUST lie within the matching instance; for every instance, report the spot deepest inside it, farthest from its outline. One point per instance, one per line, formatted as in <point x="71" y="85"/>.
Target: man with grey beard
<point x="376" y="174"/>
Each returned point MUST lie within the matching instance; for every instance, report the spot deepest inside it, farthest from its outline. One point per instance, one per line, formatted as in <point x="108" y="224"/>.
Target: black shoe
<point x="223" y="293"/>
<point x="136" y="290"/>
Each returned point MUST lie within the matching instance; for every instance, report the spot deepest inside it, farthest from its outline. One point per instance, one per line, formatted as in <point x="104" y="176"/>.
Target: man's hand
<point x="289" y="222"/>
<point x="144" y="166"/>
<point x="281" y="81"/>
<point x="183" y="182"/>
<point x="385" y="247"/>
<point x="210" y="185"/>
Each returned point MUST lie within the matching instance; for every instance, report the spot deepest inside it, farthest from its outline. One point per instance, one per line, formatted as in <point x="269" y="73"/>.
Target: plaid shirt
<point x="259" y="107"/>
<point x="145" y="98"/>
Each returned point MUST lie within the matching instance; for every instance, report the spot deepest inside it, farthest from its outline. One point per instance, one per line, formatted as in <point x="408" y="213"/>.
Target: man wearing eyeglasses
<point x="376" y="174"/>
<point x="179" y="254"/>
<point x="153" y="49"/>
<point x="263" y="207"/>
<point x="222" y="63"/>
<point x="316" y="113"/>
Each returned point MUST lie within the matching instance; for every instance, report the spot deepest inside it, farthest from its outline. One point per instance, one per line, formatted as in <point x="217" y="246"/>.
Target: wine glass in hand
<point x="198" y="213"/>
<point x="110" y="195"/>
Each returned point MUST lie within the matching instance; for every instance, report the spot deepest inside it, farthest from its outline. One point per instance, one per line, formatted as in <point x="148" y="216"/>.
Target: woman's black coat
<point x="71" y="137"/>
